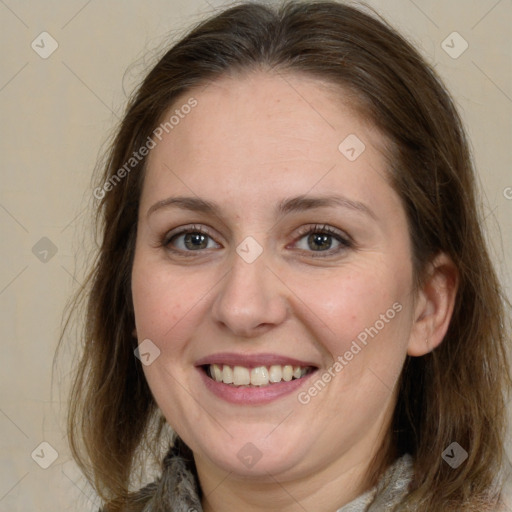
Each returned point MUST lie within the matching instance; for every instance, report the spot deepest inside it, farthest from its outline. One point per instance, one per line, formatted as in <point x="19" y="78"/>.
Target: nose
<point x="251" y="299"/>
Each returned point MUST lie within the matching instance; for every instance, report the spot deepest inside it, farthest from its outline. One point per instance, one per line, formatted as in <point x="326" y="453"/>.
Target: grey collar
<point x="392" y="487"/>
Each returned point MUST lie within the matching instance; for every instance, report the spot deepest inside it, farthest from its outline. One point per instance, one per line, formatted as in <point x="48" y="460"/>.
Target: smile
<point x="254" y="379"/>
<point x="258" y="376"/>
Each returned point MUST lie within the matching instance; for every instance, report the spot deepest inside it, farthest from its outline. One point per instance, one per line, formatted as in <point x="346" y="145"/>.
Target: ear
<point x="434" y="306"/>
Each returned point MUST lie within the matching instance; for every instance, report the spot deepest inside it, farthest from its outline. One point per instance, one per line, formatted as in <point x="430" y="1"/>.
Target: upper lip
<point x="251" y="360"/>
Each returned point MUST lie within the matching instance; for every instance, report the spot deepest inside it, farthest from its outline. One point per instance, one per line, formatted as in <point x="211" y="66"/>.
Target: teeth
<point x="241" y="376"/>
<point x="216" y="372"/>
<point x="258" y="376"/>
<point x="275" y="373"/>
<point x="227" y="375"/>
<point x="287" y="373"/>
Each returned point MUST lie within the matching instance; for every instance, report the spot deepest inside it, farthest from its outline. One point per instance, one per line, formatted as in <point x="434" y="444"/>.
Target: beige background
<point x="56" y="113"/>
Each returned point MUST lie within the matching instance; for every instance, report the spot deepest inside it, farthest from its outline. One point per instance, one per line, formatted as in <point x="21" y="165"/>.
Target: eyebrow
<point x="303" y="203"/>
<point x="284" y="207"/>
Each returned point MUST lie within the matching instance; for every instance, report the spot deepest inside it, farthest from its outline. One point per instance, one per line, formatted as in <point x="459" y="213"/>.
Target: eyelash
<point x="344" y="240"/>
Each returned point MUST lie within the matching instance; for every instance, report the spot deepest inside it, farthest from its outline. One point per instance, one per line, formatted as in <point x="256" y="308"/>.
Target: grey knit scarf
<point x="177" y="489"/>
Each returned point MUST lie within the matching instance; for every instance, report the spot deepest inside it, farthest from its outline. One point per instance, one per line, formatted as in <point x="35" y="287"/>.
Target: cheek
<point x="157" y="303"/>
<point x="360" y="314"/>
<point x="167" y="301"/>
<point x="349" y="303"/>
<point x="167" y="307"/>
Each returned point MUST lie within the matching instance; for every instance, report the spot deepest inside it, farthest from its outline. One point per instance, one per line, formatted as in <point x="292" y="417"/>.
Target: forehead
<point x="260" y="135"/>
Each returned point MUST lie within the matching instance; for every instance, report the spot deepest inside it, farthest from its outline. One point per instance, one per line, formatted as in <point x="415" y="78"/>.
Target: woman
<point x="293" y="277"/>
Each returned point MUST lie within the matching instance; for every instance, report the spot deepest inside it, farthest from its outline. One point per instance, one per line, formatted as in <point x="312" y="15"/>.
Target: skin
<point x="252" y="142"/>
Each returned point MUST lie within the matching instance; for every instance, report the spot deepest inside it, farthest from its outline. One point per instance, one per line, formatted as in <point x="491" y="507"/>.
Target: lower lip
<point x="253" y="395"/>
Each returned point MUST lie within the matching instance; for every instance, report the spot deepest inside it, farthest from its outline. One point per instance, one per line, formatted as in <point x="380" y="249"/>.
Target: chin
<point x="249" y="454"/>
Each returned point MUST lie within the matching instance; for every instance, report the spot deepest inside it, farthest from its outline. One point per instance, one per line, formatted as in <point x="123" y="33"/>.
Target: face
<point x="273" y="274"/>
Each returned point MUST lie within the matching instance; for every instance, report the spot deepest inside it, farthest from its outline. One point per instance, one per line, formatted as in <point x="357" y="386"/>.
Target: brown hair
<point x="456" y="392"/>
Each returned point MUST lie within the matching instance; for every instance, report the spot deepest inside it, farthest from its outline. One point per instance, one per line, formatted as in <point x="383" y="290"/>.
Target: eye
<point x="189" y="240"/>
<point x="322" y="239"/>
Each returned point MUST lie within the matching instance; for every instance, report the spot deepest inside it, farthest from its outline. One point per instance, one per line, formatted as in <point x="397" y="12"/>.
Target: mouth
<point x="253" y="379"/>
<point x="258" y="376"/>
